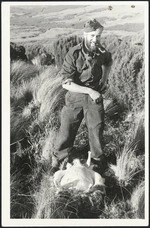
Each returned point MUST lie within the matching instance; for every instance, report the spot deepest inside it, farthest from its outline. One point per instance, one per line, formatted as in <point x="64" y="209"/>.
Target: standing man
<point x="84" y="74"/>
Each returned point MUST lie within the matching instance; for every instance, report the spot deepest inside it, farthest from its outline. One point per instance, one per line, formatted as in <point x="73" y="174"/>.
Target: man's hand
<point x="73" y="87"/>
<point x="94" y="95"/>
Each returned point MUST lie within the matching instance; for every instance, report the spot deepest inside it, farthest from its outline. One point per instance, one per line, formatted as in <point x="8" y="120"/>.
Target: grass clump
<point x="50" y="94"/>
<point x="21" y="166"/>
<point x="116" y="210"/>
<point x="137" y="200"/>
<point x="130" y="161"/>
<point x="22" y="71"/>
<point x="53" y="203"/>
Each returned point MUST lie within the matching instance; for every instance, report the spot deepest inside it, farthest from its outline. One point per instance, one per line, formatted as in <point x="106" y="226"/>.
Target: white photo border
<point x="5" y="205"/>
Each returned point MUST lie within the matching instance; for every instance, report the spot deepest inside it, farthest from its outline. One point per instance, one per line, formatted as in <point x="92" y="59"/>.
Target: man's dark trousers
<point x="78" y="106"/>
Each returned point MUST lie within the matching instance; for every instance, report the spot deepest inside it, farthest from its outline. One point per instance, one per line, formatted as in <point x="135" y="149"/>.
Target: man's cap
<point x="92" y="25"/>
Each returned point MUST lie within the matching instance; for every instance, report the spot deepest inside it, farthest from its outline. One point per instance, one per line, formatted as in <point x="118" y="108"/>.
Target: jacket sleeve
<point x="68" y="70"/>
<point x="107" y="59"/>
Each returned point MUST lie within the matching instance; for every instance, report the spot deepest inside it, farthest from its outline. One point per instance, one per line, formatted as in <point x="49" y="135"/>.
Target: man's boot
<point x="100" y="164"/>
<point x="55" y="164"/>
<point x="57" y="159"/>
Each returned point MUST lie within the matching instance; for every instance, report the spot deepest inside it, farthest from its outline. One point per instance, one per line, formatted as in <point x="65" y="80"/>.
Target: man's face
<point x="92" y="39"/>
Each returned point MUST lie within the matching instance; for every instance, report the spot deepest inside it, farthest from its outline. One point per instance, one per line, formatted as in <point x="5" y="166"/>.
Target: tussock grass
<point x="49" y="204"/>
<point x="116" y="210"/>
<point x="50" y="93"/>
<point x="22" y="113"/>
<point x="137" y="200"/>
<point x="28" y="109"/>
<point x="53" y="203"/>
<point x="49" y="73"/>
<point x="128" y="163"/>
<point x="111" y="108"/>
<point x="136" y="132"/>
<point x="21" y="204"/>
<point x="48" y="147"/>
<point x="18" y="126"/>
<point x="126" y="78"/>
<point x="22" y="164"/>
<point x="21" y="97"/>
<point x="139" y="132"/>
<point x="22" y="71"/>
<point x="114" y="135"/>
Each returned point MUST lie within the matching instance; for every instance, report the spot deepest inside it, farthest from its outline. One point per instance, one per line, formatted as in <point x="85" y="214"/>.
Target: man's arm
<point x="106" y="71"/>
<point x="106" y="67"/>
<point x="103" y="81"/>
<point x="73" y="87"/>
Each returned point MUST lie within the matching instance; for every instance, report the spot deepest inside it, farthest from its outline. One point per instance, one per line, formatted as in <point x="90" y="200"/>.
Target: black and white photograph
<point x="75" y="113"/>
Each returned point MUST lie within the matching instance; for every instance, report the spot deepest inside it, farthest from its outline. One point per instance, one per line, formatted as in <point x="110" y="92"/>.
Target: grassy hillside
<point x="32" y="23"/>
<point x="37" y="98"/>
